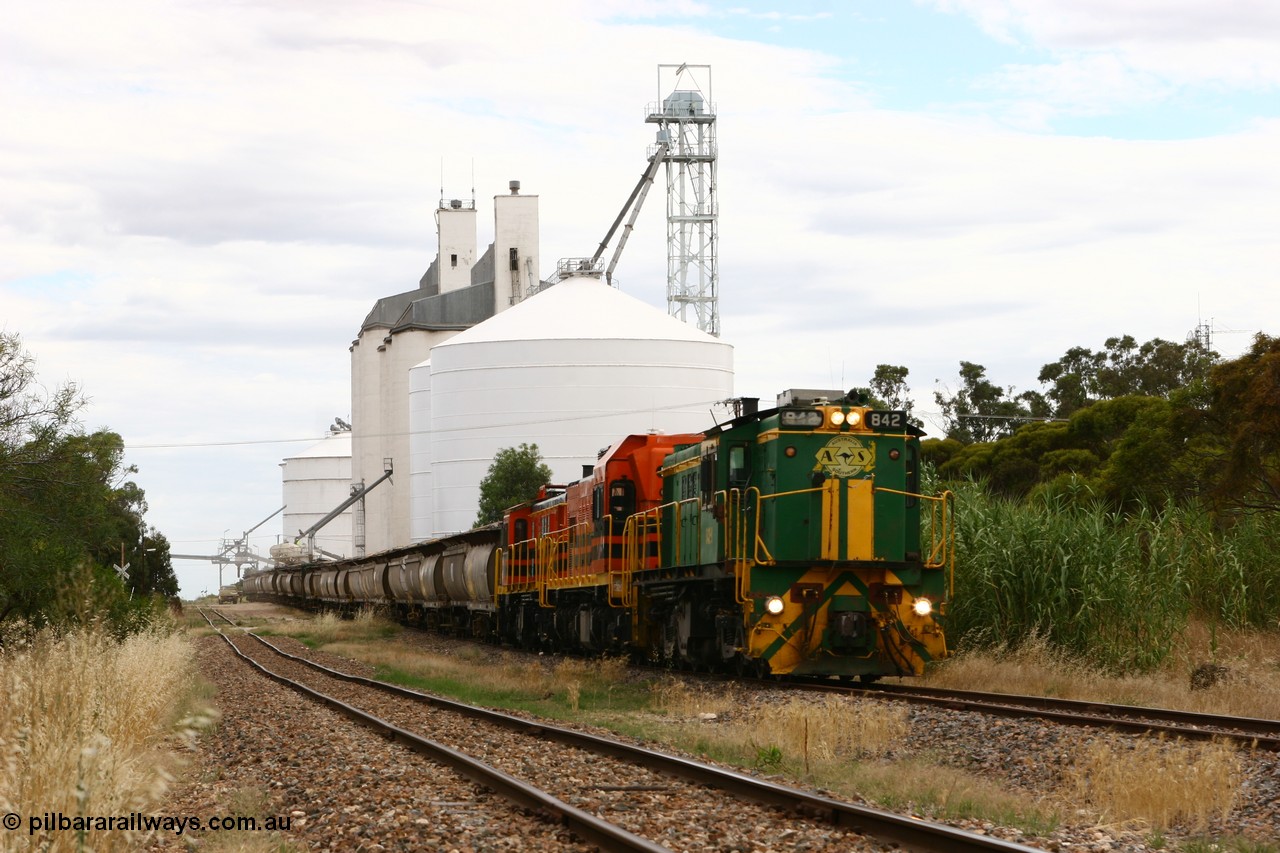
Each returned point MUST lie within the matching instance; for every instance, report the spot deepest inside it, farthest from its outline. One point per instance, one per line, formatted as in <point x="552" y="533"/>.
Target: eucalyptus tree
<point x="514" y="477"/>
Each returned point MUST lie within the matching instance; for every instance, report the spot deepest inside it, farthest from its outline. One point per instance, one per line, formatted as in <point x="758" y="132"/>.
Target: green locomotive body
<point x="796" y="535"/>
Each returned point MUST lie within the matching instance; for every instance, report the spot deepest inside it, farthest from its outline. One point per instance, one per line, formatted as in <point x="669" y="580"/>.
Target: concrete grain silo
<point x="572" y="369"/>
<point x="459" y="289"/>
<point x="315" y="482"/>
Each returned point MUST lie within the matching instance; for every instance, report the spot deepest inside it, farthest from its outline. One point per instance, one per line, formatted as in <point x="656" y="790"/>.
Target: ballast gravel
<point x="276" y="754"/>
<point x="668" y="811"/>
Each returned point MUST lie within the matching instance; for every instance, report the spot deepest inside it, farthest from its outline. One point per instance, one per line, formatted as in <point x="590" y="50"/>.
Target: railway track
<point x="588" y="827"/>
<point x="630" y="783"/>
<point x="1190" y="725"/>
<point x="1248" y="732"/>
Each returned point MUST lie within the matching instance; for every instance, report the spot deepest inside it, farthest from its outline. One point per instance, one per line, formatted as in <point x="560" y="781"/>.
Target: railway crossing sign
<point x="122" y="572"/>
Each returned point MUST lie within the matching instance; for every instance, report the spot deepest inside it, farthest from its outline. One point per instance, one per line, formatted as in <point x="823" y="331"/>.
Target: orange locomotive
<point x="561" y="576"/>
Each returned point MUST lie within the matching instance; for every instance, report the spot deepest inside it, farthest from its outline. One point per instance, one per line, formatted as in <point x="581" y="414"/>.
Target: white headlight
<point x="837" y="418"/>
<point x="773" y="605"/>
<point x="854" y="418"/>
<point x="922" y="606"/>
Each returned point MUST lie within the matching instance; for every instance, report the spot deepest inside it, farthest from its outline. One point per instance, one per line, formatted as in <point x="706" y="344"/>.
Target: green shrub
<point x="1116" y="588"/>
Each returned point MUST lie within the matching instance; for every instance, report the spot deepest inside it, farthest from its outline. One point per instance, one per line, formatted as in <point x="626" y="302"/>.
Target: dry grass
<point x="505" y="672"/>
<point x="838" y="744"/>
<point x="84" y="728"/>
<point x="1160" y="783"/>
<point x="846" y="746"/>
<point x="938" y="791"/>
<point x="1251" y="689"/>
<point x="677" y="697"/>
<point x="543" y="685"/>
<point x="828" y="729"/>
<point x="799" y="731"/>
<point x="329" y="628"/>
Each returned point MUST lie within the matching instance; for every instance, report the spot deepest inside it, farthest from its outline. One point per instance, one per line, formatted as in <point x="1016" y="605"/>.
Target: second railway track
<point x="1190" y="725"/>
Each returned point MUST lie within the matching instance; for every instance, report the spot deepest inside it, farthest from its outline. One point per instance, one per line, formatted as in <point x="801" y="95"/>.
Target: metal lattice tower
<point x="686" y="120"/>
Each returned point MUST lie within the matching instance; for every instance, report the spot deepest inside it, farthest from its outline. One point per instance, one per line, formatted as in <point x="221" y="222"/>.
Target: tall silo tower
<point x="686" y="120"/>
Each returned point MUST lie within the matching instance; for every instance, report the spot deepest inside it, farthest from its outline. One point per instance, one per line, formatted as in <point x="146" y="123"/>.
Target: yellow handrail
<point x="735" y="503"/>
<point x="942" y="533"/>
<point x="550" y="549"/>
<point x="497" y="578"/>
<point x="759" y="540"/>
<point x="525" y="551"/>
<point x="637" y="530"/>
<point x="572" y="558"/>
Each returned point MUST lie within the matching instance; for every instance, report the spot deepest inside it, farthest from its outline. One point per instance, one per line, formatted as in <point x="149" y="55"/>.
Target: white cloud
<point x="1104" y="57"/>
<point x="199" y="204"/>
<point x="1087" y="24"/>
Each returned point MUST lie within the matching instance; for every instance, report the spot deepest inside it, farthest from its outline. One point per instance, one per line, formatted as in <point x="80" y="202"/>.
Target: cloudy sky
<point x="200" y="201"/>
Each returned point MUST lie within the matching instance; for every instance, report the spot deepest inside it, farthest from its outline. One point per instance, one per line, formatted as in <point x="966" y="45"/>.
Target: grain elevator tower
<point x="686" y="120"/>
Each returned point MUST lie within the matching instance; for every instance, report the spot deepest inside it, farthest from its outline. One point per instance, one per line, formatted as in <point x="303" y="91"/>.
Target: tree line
<point x="1154" y="422"/>
<point x="68" y="510"/>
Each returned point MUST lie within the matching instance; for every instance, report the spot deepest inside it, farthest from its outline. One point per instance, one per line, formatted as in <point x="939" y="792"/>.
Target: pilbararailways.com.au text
<point x="139" y="822"/>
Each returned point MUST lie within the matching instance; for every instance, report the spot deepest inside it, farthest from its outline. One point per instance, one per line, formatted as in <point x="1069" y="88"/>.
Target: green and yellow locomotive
<point x="792" y="541"/>
<point x="788" y="541"/>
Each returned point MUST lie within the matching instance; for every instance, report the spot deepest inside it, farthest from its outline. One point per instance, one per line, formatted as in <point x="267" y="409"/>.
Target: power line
<point x="220" y="443"/>
<point x="500" y="424"/>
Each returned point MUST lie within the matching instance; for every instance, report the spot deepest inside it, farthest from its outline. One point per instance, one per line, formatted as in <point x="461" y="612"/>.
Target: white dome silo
<point x="315" y="482"/>
<point x="572" y="369"/>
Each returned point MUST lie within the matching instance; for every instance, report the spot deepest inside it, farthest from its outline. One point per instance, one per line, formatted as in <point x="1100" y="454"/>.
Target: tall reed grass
<point x="83" y="725"/>
<point x="1113" y="588"/>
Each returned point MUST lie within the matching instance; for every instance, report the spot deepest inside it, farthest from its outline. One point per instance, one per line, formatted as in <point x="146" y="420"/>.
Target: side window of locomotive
<point x="521" y="532"/>
<point x="738" y="473"/>
<point x="707" y="478"/>
<point x="597" y="503"/>
<point x="622" y="502"/>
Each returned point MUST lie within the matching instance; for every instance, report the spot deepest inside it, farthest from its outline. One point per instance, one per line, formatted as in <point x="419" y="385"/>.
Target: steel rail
<point x="1253" y="725"/>
<point x="587" y="827"/>
<point x="912" y="833"/>
<point x="221" y="616"/>
<point x="1191" y="725"/>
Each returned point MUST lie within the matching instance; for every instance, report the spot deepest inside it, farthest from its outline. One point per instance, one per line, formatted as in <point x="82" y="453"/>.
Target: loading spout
<point x="634" y="202"/>
<point x="310" y="533"/>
